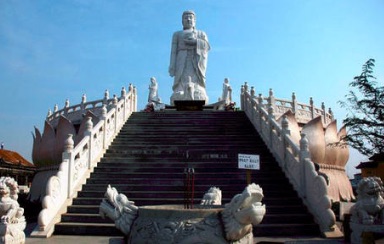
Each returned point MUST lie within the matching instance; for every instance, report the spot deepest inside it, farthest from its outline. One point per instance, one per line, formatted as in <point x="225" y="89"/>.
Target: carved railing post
<point x="331" y="114"/>
<point x="116" y="112"/>
<point x="271" y="117"/>
<point x="253" y="103"/>
<point x="123" y="97"/>
<point x="68" y="156"/>
<point x="271" y="100"/>
<point x="88" y="132"/>
<point x="294" y="103"/>
<point x="323" y="113"/>
<point x="132" y="92"/>
<point x="285" y="125"/>
<point x="245" y="91"/>
<point x="253" y="92"/>
<point x="312" y="108"/>
<point x="104" y="118"/>
<point x="242" y="97"/>
<point x="106" y="97"/>
<point x="285" y="132"/>
<point x="66" y="106"/>
<point x="83" y="101"/>
<point x="259" y="106"/>
<point x="304" y="155"/>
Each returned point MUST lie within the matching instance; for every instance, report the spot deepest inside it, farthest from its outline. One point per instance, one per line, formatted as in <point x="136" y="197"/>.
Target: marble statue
<point x="243" y="211"/>
<point x="227" y="92"/>
<point x="369" y="208"/>
<point x="153" y="96"/>
<point x="154" y="101"/>
<point x="212" y="197"/>
<point x="367" y="214"/>
<point x="12" y="220"/>
<point x="188" y="63"/>
<point x="165" y="224"/>
<point x="118" y="208"/>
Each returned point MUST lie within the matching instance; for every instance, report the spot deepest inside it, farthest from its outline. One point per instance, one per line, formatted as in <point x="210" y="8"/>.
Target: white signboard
<point x="249" y="161"/>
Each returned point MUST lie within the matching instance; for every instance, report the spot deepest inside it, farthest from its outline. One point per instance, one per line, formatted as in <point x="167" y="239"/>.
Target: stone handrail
<point x="293" y="159"/>
<point x="78" y="162"/>
<point x="303" y="112"/>
<point x="75" y="112"/>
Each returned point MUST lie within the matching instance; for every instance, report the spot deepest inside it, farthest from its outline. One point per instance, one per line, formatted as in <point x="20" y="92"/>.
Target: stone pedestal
<point x="12" y="233"/>
<point x="189" y="105"/>
<point x="360" y="232"/>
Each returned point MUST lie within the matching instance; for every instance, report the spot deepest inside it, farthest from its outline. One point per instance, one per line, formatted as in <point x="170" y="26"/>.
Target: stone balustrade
<point x="76" y="112"/>
<point x="303" y="112"/>
<point x="78" y="162"/>
<point x="293" y="159"/>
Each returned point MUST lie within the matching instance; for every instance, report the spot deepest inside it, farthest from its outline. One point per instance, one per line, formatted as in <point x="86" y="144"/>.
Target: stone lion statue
<point x="212" y="197"/>
<point x="12" y="223"/>
<point x="242" y="212"/>
<point x="369" y="208"/>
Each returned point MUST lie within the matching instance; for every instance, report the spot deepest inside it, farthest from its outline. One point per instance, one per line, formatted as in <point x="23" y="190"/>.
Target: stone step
<point x="198" y="170"/>
<point x="89" y="229"/>
<point x="263" y="181"/>
<point x="287" y="218"/>
<point x="276" y="230"/>
<point x="271" y="210"/>
<point x="153" y="198"/>
<point x="272" y="188"/>
<point x="198" y="193"/>
<point x="84" y="218"/>
<point x="146" y="165"/>
<point x="175" y="159"/>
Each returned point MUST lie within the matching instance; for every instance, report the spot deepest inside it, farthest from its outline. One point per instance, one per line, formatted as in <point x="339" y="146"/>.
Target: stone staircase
<point x="147" y="160"/>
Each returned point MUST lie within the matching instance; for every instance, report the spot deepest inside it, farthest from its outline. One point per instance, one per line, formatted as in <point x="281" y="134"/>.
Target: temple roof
<point x="13" y="158"/>
<point x="365" y="165"/>
<point x="377" y="157"/>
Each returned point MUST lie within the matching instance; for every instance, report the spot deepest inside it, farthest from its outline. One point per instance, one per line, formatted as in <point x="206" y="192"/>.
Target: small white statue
<point x="242" y="212"/>
<point x="154" y="101"/>
<point x="153" y="96"/>
<point x="227" y="92"/>
<point x="12" y="220"/>
<point x="212" y="197"/>
<point x="118" y="208"/>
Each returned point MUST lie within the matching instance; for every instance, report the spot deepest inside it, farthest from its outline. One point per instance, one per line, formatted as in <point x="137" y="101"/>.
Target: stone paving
<point x="64" y="239"/>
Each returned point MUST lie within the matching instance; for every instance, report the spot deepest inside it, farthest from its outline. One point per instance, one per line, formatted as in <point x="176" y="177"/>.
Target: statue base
<point x="13" y="233"/>
<point x="365" y="233"/>
<point x="189" y="105"/>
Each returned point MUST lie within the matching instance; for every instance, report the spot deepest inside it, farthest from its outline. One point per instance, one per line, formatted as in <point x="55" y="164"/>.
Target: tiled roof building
<point x="14" y="165"/>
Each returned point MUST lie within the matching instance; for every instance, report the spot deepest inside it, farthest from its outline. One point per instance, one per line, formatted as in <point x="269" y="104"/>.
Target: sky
<point x="51" y="51"/>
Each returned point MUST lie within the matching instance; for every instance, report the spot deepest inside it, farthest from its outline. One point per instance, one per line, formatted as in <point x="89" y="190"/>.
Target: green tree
<point x="365" y="117"/>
